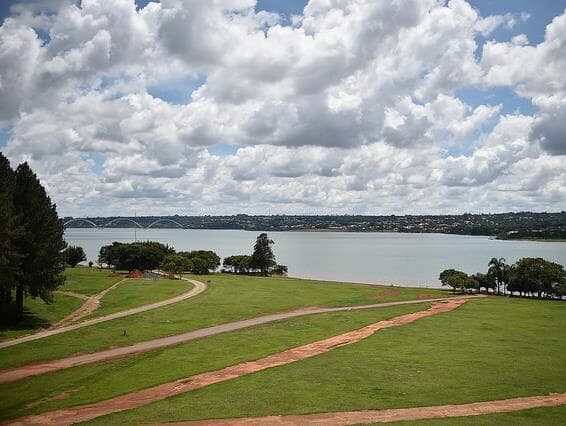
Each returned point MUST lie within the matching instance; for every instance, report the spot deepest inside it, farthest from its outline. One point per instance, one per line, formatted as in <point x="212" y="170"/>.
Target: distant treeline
<point x="529" y="277"/>
<point x="522" y="225"/>
<point x="148" y="255"/>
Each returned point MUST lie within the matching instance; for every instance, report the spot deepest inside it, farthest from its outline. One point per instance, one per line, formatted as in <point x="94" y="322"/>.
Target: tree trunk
<point x="19" y="302"/>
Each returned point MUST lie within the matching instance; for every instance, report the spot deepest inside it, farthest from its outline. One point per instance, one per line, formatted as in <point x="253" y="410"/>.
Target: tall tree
<point x="263" y="257"/>
<point x="74" y="255"/>
<point x="10" y="231"/>
<point x="41" y="244"/>
<point x="499" y="270"/>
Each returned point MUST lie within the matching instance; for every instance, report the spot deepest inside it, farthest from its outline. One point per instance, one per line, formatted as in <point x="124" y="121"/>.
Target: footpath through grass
<point x="546" y="416"/>
<point x="487" y="349"/>
<point x="89" y="281"/>
<point x="138" y="292"/>
<point x="85" y="384"/>
<point x="38" y="314"/>
<point x="228" y="298"/>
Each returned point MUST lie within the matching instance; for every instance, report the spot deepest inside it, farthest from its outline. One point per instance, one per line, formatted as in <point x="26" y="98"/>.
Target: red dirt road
<point x="25" y="371"/>
<point x="396" y="414"/>
<point x="156" y="393"/>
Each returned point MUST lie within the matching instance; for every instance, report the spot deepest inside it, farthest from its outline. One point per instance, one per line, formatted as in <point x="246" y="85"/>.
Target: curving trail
<point x="73" y="294"/>
<point x="198" y="288"/>
<point x="25" y="371"/>
<point x="92" y="303"/>
<point x="397" y="414"/>
<point x="157" y="393"/>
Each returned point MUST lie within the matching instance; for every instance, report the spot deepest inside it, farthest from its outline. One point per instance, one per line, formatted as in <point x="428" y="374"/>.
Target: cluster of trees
<point x="149" y="255"/>
<point x="197" y="261"/>
<point x="532" y="277"/>
<point x="129" y="256"/>
<point x="32" y="258"/>
<point x="153" y="255"/>
<point x="262" y="261"/>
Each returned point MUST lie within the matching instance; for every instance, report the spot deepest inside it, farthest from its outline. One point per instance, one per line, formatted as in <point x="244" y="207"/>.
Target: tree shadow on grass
<point x="29" y="322"/>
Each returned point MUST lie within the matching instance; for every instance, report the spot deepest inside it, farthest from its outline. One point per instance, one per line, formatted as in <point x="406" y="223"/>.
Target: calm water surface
<point x="390" y="258"/>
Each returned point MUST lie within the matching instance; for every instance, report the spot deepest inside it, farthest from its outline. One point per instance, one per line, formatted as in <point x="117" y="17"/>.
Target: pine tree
<point x="74" y="255"/>
<point x="263" y="257"/>
<point x="41" y="245"/>
<point x="10" y="231"/>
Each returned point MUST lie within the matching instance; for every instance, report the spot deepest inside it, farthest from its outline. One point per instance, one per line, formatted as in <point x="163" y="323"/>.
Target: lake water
<point x="380" y="258"/>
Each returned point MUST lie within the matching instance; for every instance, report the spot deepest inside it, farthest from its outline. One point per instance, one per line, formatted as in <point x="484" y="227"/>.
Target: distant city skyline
<point x="287" y="107"/>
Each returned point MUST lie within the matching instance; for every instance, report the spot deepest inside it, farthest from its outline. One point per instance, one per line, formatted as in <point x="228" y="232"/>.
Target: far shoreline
<point x="338" y="230"/>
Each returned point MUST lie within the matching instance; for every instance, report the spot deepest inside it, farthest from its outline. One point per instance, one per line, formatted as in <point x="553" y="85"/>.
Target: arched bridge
<point x="124" y="219"/>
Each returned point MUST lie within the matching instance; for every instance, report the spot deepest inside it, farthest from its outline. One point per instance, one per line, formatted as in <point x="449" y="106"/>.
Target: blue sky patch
<point x="176" y="91"/>
<point x="510" y="102"/>
<point x="223" y="150"/>
<point x="140" y="4"/>
<point x="286" y="8"/>
<point x="98" y="159"/>
<point x="5" y="134"/>
<point x="541" y="14"/>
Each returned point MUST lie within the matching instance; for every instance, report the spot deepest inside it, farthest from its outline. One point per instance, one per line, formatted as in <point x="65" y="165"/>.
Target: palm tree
<point x="498" y="269"/>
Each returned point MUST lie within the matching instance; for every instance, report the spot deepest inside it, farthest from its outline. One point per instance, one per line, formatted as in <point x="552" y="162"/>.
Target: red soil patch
<point x="386" y="293"/>
<point x="424" y="296"/>
<point x="156" y="393"/>
<point x="62" y="395"/>
<point x="398" y="414"/>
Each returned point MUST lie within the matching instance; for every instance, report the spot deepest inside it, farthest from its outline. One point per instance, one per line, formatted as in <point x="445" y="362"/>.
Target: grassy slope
<point x="487" y="349"/>
<point x="547" y="416"/>
<point x="228" y="298"/>
<point x="38" y="314"/>
<point x="133" y="293"/>
<point x="103" y="381"/>
<point x="89" y="281"/>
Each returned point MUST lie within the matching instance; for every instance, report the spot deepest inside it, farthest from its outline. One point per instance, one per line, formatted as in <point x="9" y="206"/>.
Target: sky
<point x="372" y="107"/>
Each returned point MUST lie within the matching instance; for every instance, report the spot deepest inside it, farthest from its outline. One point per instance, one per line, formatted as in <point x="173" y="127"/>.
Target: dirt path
<point x="156" y="393"/>
<point x="397" y="414"/>
<point x="73" y="294"/>
<point x="92" y="303"/>
<point x="198" y="288"/>
<point x="19" y="373"/>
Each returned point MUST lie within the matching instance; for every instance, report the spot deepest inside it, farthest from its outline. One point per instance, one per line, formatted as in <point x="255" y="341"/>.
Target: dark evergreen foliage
<point x="32" y="258"/>
<point x="74" y="255"/>
<point x="263" y="257"/>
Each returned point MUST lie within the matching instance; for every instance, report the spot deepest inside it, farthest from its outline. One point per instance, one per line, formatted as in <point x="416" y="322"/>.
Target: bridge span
<point x="123" y="219"/>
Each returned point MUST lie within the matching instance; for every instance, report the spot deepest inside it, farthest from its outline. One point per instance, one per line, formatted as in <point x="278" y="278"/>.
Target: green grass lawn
<point x="92" y="383"/>
<point x="228" y="298"/>
<point x="38" y="314"/>
<point x="487" y="349"/>
<point x="139" y="292"/>
<point x="546" y="416"/>
<point x="89" y="281"/>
